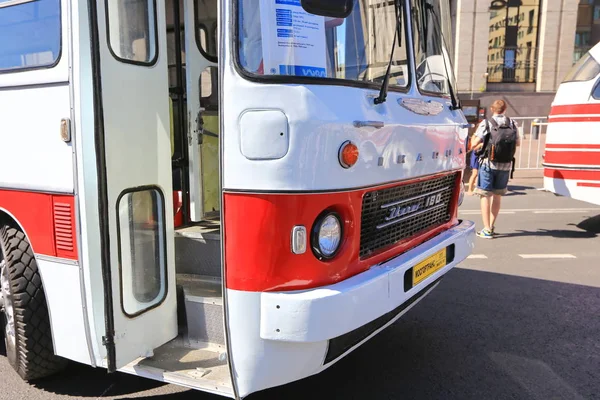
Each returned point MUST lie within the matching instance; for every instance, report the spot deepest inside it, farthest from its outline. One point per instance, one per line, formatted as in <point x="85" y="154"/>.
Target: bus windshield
<point x="278" y="37"/>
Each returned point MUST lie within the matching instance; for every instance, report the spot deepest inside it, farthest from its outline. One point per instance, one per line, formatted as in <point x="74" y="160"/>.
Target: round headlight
<point x="327" y="235"/>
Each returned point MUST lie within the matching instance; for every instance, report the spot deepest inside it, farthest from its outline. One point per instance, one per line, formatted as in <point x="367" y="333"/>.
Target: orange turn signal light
<point x="348" y="154"/>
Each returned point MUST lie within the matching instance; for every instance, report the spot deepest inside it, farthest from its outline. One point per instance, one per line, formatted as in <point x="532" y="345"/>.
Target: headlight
<point x="327" y="235"/>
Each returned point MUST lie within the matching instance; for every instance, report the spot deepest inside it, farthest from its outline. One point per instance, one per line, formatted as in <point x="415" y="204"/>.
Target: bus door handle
<point x="467" y="126"/>
<point x="373" y="124"/>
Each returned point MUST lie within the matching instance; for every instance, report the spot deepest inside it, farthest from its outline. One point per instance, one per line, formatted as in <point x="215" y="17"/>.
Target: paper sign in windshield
<point x="293" y="40"/>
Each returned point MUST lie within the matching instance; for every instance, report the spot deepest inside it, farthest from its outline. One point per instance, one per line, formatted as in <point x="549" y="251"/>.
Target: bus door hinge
<point x="108" y="341"/>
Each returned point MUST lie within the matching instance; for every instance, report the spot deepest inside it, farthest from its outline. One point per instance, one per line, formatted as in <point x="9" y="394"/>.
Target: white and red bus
<point x="572" y="154"/>
<point x="226" y="195"/>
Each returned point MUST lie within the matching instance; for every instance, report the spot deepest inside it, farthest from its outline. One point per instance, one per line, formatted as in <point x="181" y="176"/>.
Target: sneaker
<point x="493" y="231"/>
<point x="485" y="234"/>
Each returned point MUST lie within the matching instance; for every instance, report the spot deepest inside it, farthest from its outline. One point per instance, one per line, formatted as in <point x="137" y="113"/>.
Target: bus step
<point x="198" y="250"/>
<point x="203" y="301"/>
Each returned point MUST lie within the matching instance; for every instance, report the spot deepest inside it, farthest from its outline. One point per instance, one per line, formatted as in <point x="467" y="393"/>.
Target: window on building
<point x="29" y="35"/>
<point x="587" y="31"/>
<point x="515" y="42"/>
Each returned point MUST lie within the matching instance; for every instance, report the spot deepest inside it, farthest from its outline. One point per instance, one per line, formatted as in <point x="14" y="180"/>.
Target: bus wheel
<point x="27" y="324"/>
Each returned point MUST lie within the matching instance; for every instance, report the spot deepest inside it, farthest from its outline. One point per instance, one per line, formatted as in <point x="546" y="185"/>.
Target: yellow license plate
<point x="426" y="268"/>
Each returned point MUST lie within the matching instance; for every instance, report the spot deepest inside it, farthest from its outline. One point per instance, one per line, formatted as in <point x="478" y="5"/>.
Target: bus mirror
<point x="329" y="8"/>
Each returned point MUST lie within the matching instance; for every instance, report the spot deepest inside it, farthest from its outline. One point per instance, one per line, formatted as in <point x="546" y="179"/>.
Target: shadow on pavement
<point x="515" y="190"/>
<point x="591" y="225"/>
<point x="82" y="381"/>
<point x="556" y="233"/>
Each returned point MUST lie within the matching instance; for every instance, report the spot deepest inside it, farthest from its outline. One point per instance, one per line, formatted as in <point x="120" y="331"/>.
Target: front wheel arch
<point x="32" y="354"/>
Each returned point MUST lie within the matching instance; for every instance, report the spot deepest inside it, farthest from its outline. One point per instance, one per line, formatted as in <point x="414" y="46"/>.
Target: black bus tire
<point x="32" y="355"/>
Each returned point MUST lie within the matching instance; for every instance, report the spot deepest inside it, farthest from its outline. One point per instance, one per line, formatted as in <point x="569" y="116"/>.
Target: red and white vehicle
<point x="572" y="155"/>
<point x="225" y="195"/>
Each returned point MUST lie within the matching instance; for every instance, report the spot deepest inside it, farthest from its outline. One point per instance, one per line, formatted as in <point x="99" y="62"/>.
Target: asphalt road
<point x="518" y="320"/>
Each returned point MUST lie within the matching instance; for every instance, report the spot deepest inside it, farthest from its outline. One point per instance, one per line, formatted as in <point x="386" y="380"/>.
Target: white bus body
<point x="228" y="208"/>
<point x="572" y="155"/>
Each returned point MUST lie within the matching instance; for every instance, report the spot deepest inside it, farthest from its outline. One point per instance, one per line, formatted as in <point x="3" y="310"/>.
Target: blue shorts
<point x="491" y="181"/>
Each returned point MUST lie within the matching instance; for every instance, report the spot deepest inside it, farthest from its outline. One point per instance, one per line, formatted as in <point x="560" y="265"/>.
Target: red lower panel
<point x="580" y="175"/>
<point x="588" y="184"/>
<point x="560" y="118"/>
<point x="48" y="220"/>
<point x="572" y="146"/>
<point x="583" y="158"/>
<point x="258" y="230"/>
<point x="570" y="109"/>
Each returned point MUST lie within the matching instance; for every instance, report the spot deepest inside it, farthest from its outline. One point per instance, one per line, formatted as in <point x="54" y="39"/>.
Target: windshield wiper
<point x="453" y="98"/>
<point x="386" y="80"/>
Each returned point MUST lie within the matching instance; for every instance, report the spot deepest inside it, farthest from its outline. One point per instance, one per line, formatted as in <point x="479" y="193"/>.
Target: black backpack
<point x="501" y="143"/>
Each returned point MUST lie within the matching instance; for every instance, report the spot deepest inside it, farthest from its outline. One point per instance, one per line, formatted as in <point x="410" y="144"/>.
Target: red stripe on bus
<point x="555" y="119"/>
<point x="48" y="221"/>
<point x="257" y="232"/>
<point x="589" y="184"/>
<point x="584" y="158"/>
<point x="572" y="174"/>
<point x="570" y="109"/>
<point x="572" y="146"/>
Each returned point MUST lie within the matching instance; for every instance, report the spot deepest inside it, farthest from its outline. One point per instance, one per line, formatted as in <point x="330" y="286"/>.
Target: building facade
<point x="520" y="49"/>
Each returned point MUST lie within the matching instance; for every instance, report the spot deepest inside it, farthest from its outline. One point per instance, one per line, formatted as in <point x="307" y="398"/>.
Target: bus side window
<point x="142" y="250"/>
<point x="209" y="89"/>
<point x="596" y="91"/>
<point x="206" y="28"/>
<point x="30" y="35"/>
<point x="132" y="30"/>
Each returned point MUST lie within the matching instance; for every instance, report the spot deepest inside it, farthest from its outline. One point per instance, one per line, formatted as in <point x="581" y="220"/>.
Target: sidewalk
<point x="533" y="177"/>
<point x="529" y="174"/>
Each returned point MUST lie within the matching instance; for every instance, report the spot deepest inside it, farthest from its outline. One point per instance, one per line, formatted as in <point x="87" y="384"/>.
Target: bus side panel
<point x="62" y="283"/>
<point x="37" y="160"/>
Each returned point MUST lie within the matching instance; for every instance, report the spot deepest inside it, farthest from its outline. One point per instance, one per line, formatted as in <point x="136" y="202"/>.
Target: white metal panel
<point x="331" y="311"/>
<point x="321" y="119"/>
<point x="575" y="93"/>
<point x="195" y="64"/>
<point x="87" y="178"/>
<point x="264" y="134"/>
<point x="137" y="145"/>
<point x="259" y="364"/>
<point x="572" y="188"/>
<point x="34" y="156"/>
<point x="62" y="286"/>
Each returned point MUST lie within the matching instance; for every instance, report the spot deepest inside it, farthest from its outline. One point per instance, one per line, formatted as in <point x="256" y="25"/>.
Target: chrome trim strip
<point x="58" y="260"/>
<point x="10" y="3"/>
<point x="573" y="167"/>
<point x="416" y="198"/>
<point x="411" y="215"/>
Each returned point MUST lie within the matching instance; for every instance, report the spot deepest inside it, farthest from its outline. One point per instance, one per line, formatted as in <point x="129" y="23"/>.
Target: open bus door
<point x="202" y="98"/>
<point x="134" y="172"/>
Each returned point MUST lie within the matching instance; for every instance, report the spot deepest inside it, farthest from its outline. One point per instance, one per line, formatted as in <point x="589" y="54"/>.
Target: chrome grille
<point x="401" y="212"/>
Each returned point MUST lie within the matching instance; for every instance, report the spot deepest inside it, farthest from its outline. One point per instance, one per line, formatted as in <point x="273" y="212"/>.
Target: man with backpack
<point x="500" y="137"/>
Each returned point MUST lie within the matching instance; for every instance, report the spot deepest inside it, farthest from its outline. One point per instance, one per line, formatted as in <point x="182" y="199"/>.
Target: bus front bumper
<point x="363" y="304"/>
